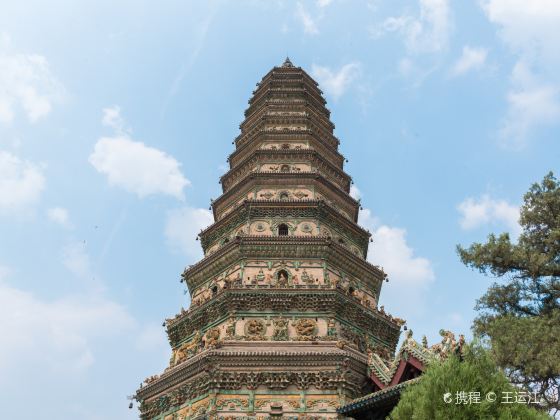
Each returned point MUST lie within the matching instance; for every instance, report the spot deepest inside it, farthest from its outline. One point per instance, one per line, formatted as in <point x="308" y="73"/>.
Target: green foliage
<point x="521" y="315"/>
<point x="477" y="372"/>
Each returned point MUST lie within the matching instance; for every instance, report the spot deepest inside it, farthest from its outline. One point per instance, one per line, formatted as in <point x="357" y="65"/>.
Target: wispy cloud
<point x="76" y="260"/>
<point x="472" y="59"/>
<point x="71" y="332"/>
<point x="112" y="118"/>
<point x="63" y="329"/>
<point x="531" y="104"/>
<point x="531" y="30"/>
<point x="485" y="210"/>
<point x="182" y="228"/>
<point x="21" y="182"/>
<point x="200" y="33"/>
<point x="60" y="216"/>
<point x="427" y="32"/>
<point x="26" y="83"/>
<point x="425" y="37"/>
<point x="335" y="83"/>
<point x="308" y="22"/>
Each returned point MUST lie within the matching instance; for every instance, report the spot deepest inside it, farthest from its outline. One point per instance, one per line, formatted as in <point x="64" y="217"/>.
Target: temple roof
<point x="390" y="376"/>
<point x="382" y="401"/>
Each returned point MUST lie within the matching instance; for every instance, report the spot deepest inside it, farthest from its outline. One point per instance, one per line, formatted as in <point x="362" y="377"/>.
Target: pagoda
<point x="283" y="309"/>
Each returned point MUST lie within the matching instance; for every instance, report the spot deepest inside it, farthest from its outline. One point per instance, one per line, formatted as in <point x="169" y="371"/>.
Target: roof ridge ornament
<point x="287" y="62"/>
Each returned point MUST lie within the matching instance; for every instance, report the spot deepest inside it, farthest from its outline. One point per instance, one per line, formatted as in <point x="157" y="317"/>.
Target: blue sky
<point x="446" y="111"/>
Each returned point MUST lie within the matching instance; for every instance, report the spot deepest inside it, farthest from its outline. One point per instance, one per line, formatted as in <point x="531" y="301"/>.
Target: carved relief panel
<point x="287" y="145"/>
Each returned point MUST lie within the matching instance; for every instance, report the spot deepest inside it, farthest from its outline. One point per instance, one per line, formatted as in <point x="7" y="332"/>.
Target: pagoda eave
<point x="329" y="151"/>
<point x="279" y="247"/>
<point x="282" y="208"/>
<point x="252" y="179"/>
<point x="295" y="155"/>
<point x="242" y="354"/>
<point x="334" y="302"/>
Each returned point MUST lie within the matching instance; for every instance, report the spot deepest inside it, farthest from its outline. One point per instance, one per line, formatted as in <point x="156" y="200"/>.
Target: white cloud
<point x="26" y="83"/>
<point x="391" y="24"/>
<point x="529" y="27"/>
<point x="531" y="104"/>
<point x="72" y="343"/>
<point x="76" y="259"/>
<point x="133" y="166"/>
<point x="21" y="182"/>
<point x="428" y="32"/>
<point x="391" y="251"/>
<point x="336" y="83"/>
<point x="309" y="25"/>
<point x="531" y="30"/>
<point x="323" y="3"/>
<point x="473" y="58"/>
<point x="355" y="193"/>
<point x="410" y="275"/>
<point x="486" y="210"/>
<point x="112" y="118"/>
<point x="54" y="335"/>
<point x="60" y="216"/>
<point x="138" y="168"/>
<point x="183" y="226"/>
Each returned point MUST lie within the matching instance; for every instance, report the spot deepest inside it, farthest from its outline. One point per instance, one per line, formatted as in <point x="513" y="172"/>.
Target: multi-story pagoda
<point x="284" y="304"/>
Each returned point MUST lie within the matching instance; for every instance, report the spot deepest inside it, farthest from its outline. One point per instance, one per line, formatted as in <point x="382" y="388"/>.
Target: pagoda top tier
<point x="287" y="84"/>
<point x="287" y="102"/>
<point x="287" y="63"/>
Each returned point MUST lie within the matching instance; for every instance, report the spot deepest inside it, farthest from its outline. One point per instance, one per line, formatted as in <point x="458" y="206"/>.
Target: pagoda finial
<point x="287" y="63"/>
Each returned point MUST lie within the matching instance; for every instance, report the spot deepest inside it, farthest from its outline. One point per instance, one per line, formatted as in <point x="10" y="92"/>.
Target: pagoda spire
<point x="287" y="62"/>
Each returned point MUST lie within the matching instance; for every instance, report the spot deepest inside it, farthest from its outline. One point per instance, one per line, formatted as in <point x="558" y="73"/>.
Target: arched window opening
<point x="214" y="290"/>
<point x="283" y="230"/>
<point x="282" y="278"/>
<point x="284" y="195"/>
<point x="341" y="241"/>
<point x="285" y="168"/>
<point x="350" y="290"/>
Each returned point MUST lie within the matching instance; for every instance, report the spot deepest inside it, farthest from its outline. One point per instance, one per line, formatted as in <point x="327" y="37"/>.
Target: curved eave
<point x="302" y="95"/>
<point x="275" y="355"/>
<point x="327" y="146"/>
<point x="247" y="205"/>
<point x="386" y="397"/>
<point x="267" y="246"/>
<point x="246" y="124"/>
<point x="248" y="137"/>
<point x="286" y="85"/>
<point x="289" y="153"/>
<point x="311" y="176"/>
<point x="225" y="297"/>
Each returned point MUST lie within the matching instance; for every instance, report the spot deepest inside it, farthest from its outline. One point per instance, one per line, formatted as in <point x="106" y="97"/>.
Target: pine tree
<point x="469" y="388"/>
<point x="521" y="314"/>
